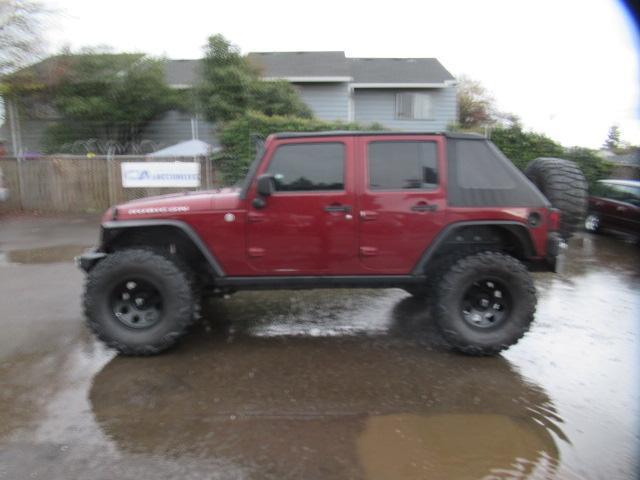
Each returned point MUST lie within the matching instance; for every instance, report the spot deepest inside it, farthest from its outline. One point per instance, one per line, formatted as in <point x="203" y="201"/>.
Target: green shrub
<point x="521" y="147"/>
<point x="593" y="165"/>
<point x="238" y="147"/>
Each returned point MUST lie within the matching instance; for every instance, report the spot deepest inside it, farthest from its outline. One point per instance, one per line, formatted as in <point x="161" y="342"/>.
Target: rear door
<point x="401" y="199"/>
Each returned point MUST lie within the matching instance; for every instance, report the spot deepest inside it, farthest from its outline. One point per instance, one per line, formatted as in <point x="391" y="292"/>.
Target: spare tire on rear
<point x="565" y="186"/>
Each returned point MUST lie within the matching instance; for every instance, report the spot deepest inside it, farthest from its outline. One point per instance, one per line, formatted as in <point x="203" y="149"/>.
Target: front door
<point x="307" y="225"/>
<point x="401" y="200"/>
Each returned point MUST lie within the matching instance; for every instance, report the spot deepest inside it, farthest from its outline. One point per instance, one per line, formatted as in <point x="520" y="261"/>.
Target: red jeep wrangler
<point x="442" y="215"/>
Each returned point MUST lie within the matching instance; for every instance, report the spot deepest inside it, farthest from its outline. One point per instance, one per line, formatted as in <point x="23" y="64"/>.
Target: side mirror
<point x="266" y="185"/>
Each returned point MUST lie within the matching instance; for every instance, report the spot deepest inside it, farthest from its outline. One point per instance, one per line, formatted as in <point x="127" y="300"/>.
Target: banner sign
<point x="160" y="174"/>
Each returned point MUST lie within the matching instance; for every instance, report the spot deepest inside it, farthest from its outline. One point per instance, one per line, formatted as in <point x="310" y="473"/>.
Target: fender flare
<point x="113" y="226"/>
<point x="520" y="230"/>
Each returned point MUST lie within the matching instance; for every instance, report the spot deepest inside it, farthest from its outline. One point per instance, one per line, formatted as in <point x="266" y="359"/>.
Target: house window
<point x="413" y="106"/>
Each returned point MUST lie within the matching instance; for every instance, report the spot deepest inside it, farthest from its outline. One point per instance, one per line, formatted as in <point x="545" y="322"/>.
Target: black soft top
<point x="480" y="175"/>
<point x="361" y="133"/>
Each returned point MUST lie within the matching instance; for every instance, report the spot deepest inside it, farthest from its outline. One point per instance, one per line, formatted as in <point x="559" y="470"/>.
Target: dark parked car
<point x="614" y="205"/>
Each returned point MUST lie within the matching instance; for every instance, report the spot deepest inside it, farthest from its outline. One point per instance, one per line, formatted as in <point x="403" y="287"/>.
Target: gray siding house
<point x="399" y="93"/>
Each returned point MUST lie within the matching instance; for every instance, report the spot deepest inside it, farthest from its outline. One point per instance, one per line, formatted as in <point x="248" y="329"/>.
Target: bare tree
<point x="476" y="107"/>
<point x="612" y="143"/>
<point x="21" y="24"/>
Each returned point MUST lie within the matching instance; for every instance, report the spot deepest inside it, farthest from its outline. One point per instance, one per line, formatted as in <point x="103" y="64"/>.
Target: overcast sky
<point x="568" y="68"/>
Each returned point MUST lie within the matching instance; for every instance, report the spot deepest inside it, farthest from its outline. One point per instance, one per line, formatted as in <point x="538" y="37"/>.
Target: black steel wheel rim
<point x="486" y="303"/>
<point x="136" y="303"/>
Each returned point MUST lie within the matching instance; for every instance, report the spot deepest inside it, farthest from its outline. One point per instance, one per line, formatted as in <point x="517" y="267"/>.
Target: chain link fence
<point x="73" y="183"/>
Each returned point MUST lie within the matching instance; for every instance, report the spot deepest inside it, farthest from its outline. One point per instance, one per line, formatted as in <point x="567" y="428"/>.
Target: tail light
<point x="554" y="219"/>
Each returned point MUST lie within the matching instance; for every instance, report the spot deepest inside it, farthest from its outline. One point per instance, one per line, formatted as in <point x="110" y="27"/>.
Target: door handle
<point x="254" y="217"/>
<point x="424" y="207"/>
<point x="621" y="209"/>
<point x="337" y="207"/>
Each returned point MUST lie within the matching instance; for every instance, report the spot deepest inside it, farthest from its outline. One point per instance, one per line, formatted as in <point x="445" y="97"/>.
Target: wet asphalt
<point x="317" y="384"/>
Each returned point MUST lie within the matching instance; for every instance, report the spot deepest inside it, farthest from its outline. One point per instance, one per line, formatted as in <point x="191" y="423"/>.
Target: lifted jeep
<point x="442" y="215"/>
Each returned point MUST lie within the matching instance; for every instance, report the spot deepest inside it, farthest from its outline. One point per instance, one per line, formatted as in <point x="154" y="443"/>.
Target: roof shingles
<point x="398" y="70"/>
<point x="300" y="64"/>
<point x="332" y="66"/>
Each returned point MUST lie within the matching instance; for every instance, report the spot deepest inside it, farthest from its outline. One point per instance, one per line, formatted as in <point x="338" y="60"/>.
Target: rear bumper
<point x="88" y="260"/>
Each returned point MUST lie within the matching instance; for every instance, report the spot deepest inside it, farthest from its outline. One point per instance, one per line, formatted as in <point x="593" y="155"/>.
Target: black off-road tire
<point x="180" y="300"/>
<point x="461" y="276"/>
<point x="437" y="268"/>
<point x="565" y="186"/>
<point x="417" y="291"/>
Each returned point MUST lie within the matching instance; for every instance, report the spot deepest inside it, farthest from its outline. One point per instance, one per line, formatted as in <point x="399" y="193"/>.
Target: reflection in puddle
<point x="359" y="407"/>
<point x="457" y="446"/>
<point x="62" y="253"/>
<point x="320" y="313"/>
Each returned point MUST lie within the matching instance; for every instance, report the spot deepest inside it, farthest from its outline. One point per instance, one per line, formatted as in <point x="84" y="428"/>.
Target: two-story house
<point x="399" y="93"/>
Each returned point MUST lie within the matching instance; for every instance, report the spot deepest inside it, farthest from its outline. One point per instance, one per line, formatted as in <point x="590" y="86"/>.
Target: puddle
<point x="62" y="253"/>
<point x="461" y="446"/>
<point x="327" y="384"/>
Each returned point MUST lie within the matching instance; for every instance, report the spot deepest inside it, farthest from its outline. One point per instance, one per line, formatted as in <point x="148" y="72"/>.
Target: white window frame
<point x="420" y="106"/>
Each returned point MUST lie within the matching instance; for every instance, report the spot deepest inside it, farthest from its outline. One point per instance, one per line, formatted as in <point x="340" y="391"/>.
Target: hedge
<point x="239" y="149"/>
<point x="518" y="145"/>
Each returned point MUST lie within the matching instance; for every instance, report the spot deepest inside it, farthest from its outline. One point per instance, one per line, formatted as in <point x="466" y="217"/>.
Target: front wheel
<point x="139" y="301"/>
<point x="485" y="303"/>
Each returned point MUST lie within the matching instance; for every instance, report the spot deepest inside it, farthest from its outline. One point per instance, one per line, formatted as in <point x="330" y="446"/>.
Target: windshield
<point x="246" y="181"/>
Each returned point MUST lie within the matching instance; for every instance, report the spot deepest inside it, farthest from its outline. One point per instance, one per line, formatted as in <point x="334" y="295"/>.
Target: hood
<point x="176" y="204"/>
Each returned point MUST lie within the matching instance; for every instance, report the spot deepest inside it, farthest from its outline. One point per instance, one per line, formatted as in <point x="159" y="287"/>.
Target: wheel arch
<point x="117" y="234"/>
<point x="512" y="236"/>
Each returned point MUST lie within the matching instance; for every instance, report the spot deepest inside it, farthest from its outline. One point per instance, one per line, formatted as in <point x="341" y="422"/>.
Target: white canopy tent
<point x="189" y="151"/>
<point x="189" y="148"/>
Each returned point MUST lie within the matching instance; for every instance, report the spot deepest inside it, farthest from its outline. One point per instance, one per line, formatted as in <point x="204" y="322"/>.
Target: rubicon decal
<point x="149" y="210"/>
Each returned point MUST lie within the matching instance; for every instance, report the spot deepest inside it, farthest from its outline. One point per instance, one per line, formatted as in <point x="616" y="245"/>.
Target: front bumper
<point x="88" y="259"/>
<point x="556" y="252"/>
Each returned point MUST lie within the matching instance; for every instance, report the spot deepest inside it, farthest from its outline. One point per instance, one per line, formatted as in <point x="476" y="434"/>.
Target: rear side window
<point x="480" y="166"/>
<point x="479" y="175"/>
<point x="403" y="165"/>
<point x="308" y="167"/>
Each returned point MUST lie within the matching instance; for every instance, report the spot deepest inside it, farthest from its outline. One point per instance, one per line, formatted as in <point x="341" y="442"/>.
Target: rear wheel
<point x="139" y="301"/>
<point x="417" y="291"/>
<point x="484" y="303"/>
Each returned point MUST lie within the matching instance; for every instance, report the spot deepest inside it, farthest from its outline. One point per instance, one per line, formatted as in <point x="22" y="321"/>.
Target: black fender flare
<point x="114" y="226"/>
<point x="520" y="230"/>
